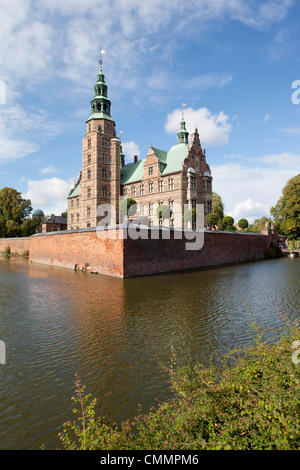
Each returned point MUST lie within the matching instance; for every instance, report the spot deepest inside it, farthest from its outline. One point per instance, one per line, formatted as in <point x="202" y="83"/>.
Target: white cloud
<point x="250" y="192"/>
<point x="267" y="117"/>
<point x="291" y="130"/>
<point x="50" y="194"/>
<point x="214" y="129"/>
<point x="249" y="210"/>
<point x="17" y="135"/>
<point x="48" y="169"/>
<point x="130" y="149"/>
<point x="284" y="159"/>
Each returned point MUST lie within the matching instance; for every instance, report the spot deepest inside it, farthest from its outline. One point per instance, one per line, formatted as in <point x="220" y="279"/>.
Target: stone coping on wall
<point x="142" y="227"/>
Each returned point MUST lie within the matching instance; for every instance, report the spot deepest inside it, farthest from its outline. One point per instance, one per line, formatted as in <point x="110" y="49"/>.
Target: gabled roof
<point x="75" y="191"/>
<point x="57" y="220"/>
<point x="132" y="172"/>
<point x="172" y="160"/>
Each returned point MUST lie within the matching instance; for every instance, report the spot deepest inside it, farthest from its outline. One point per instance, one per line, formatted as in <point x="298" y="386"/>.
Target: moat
<point x="118" y="336"/>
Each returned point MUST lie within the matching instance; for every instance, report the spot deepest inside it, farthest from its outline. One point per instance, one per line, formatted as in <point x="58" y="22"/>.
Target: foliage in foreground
<point x="250" y="402"/>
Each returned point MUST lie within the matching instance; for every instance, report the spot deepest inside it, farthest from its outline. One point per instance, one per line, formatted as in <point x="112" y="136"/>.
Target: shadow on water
<point x="117" y="335"/>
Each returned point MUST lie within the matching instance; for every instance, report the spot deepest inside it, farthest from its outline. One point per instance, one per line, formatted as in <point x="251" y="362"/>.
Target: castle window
<point x="142" y="209"/>
<point x="204" y="185"/>
<point x="89" y="174"/>
<point x="171" y="205"/>
<point x="72" y="203"/>
<point x="171" y="184"/>
<point x="89" y="159"/>
<point x="89" y="143"/>
<point x="89" y="128"/>
<point x="133" y="191"/>
<point x="88" y="211"/>
<point x="72" y="218"/>
<point x="197" y="162"/>
<point x="150" y="170"/>
<point x="77" y="217"/>
<point x="209" y="206"/>
<point x="150" y="188"/>
<point x="142" y="189"/>
<point x="88" y="192"/>
<point x="88" y="225"/>
<point x="104" y="157"/>
<point x="191" y="183"/>
<point x="77" y="202"/>
<point x="125" y="192"/>
<point x="209" y="185"/>
<point x="104" y="191"/>
<point x="104" y="173"/>
<point x="151" y="208"/>
<point x="160" y="186"/>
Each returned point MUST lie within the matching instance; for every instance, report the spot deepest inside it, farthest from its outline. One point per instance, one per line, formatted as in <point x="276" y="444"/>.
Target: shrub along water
<point x="249" y="402"/>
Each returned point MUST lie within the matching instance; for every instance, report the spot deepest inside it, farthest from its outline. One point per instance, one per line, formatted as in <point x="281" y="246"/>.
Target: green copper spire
<point x="100" y="104"/>
<point x="182" y="134"/>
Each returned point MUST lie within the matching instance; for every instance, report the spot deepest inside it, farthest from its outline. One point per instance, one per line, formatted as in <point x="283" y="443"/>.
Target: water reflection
<point x="117" y="335"/>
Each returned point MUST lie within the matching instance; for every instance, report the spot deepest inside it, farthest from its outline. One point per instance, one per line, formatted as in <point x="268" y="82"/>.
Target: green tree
<point x="228" y="222"/>
<point x="190" y="215"/>
<point x="218" y="208"/>
<point x="243" y="224"/>
<point x="212" y="220"/>
<point x="259" y="225"/>
<point x="29" y="227"/>
<point x="127" y="207"/>
<point x="13" y="211"/>
<point x="12" y="229"/>
<point x="163" y="212"/>
<point x="286" y="213"/>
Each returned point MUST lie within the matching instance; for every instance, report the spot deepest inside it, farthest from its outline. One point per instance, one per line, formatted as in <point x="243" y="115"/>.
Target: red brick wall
<point x="128" y="258"/>
<point x="18" y="245"/>
<point x="220" y="248"/>
<point x="67" y="249"/>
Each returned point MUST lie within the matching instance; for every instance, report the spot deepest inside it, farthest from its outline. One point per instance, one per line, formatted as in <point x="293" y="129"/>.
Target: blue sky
<point x="231" y="62"/>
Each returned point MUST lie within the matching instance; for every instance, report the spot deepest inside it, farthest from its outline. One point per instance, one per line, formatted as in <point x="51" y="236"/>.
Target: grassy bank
<point x="249" y="402"/>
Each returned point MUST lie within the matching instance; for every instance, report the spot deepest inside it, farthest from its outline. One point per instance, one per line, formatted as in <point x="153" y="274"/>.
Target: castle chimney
<point x="136" y="158"/>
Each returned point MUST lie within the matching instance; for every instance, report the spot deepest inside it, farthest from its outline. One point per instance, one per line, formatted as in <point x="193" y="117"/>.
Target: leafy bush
<point x="6" y="251"/>
<point x="243" y="224"/>
<point x="228" y="222"/>
<point x="250" y="402"/>
<point x="212" y="219"/>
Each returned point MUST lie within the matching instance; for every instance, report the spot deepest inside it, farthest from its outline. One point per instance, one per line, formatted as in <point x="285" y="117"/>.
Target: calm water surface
<point x="117" y="334"/>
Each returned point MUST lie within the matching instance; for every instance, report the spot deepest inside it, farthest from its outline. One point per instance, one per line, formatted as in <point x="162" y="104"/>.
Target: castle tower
<point x="182" y="134"/>
<point x="100" y="178"/>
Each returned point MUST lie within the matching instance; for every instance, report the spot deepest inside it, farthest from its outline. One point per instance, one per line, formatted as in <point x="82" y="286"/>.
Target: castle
<point x="174" y="178"/>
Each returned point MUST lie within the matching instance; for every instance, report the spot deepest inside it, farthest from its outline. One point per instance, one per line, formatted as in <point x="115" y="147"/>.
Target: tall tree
<point x="286" y="213"/>
<point x="218" y="209"/>
<point x="13" y="211"/>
